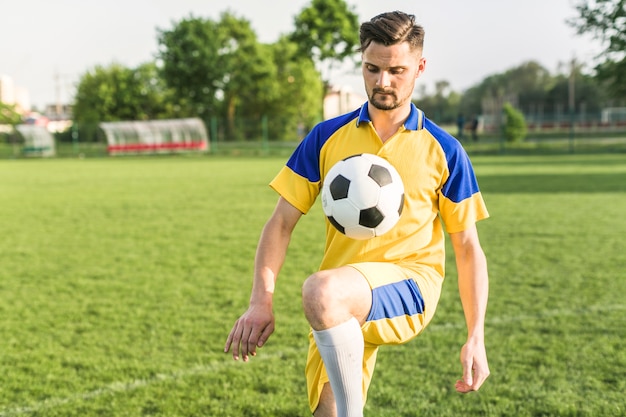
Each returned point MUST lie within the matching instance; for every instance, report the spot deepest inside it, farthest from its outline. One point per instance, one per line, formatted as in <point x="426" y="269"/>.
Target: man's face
<point x="389" y="73"/>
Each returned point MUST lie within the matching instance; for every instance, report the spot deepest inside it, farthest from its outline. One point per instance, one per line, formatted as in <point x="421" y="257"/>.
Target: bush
<point x="515" y="126"/>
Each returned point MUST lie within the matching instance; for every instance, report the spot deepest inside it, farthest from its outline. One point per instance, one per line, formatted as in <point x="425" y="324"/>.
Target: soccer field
<point x="120" y="279"/>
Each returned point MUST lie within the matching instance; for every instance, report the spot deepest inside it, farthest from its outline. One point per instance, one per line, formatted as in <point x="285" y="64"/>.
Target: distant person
<point x="460" y="124"/>
<point x="384" y="290"/>
<point x="474" y="128"/>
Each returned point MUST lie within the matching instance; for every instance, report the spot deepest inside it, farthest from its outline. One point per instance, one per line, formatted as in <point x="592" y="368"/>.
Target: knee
<point x="331" y="297"/>
<point x="320" y="297"/>
<point x="316" y="290"/>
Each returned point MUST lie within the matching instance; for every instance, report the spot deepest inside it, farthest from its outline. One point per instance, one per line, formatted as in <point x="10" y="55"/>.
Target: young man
<point x="384" y="290"/>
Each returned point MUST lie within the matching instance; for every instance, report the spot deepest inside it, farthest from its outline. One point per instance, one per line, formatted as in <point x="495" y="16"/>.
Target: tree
<point x="218" y="69"/>
<point x="442" y="106"/>
<point x="532" y="89"/>
<point x="249" y="84"/>
<point x="527" y="82"/>
<point x="573" y="90"/>
<point x="471" y="101"/>
<point x="189" y="57"/>
<point x="606" y="21"/>
<point x="515" y="126"/>
<point x="297" y="108"/>
<point x="327" y="31"/>
<point x="152" y="97"/>
<point x="119" y="93"/>
<point x="9" y="114"/>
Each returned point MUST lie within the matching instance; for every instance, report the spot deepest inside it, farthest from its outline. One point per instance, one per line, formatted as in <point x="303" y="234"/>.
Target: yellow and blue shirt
<point x="441" y="191"/>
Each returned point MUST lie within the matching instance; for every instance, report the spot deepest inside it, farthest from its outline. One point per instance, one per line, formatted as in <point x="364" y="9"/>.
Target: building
<point x="340" y="100"/>
<point x="12" y="94"/>
<point x="7" y="90"/>
<point x="59" y="116"/>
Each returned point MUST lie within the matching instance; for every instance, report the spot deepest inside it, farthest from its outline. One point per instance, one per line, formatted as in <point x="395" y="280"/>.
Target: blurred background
<point x="500" y="75"/>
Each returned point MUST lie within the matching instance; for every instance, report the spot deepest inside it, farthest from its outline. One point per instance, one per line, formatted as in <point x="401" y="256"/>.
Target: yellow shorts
<point x="404" y="299"/>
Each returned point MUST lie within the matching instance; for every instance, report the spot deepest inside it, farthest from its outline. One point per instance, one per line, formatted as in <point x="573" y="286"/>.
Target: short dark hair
<point x="392" y="28"/>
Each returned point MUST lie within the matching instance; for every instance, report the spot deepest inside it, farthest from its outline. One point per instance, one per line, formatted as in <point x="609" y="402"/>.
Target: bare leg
<point x="326" y="407"/>
<point x="334" y="296"/>
<point x="336" y="303"/>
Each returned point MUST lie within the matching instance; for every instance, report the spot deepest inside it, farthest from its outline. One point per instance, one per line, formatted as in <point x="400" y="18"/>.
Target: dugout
<point x="156" y="136"/>
<point x="38" y="141"/>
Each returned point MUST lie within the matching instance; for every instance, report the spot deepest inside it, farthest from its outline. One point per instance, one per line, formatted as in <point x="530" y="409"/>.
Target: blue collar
<point x="415" y="121"/>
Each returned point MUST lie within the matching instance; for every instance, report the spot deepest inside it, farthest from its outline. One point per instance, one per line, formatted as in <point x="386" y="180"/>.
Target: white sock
<point x="341" y="348"/>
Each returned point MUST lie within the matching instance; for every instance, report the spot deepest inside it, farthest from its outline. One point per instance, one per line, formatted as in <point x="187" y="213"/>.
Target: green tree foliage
<point x="606" y="20"/>
<point x="189" y="55"/>
<point x="9" y="114"/>
<point x="119" y="93"/>
<point x="298" y="107"/>
<point x="218" y="69"/>
<point x="153" y="98"/>
<point x="535" y="91"/>
<point x="590" y="97"/>
<point x="527" y="82"/>
<point x="327" y="31"/>
<point x="442" y="106"/>
<point x="249" y="81"/>
<point x="515" y="126"/>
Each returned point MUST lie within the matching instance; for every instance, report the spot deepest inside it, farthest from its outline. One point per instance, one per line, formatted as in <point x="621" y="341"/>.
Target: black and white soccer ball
<point x="363" y="196"/>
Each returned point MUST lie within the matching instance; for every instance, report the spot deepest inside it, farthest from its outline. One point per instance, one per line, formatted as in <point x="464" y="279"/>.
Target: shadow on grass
<point x="553" y="183"/>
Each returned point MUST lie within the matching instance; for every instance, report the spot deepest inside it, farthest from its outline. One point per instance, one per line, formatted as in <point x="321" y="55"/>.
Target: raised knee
<point x="331" y="297"/>
<point x="318" y="297"/>
<point x="316" y="289"/>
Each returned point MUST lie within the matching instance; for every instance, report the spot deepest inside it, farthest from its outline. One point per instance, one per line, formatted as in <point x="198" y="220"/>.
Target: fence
<point x="605" y="122"/>
<point x="263" y="136"/>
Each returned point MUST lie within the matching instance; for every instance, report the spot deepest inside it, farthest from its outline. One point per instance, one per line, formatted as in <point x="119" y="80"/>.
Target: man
<point x="460" y="125"/>
<point x="383" y="290"/>
<point x="474" y="128"/>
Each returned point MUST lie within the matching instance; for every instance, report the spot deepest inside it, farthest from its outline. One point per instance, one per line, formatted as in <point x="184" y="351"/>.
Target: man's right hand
<point x="250" y="331"/>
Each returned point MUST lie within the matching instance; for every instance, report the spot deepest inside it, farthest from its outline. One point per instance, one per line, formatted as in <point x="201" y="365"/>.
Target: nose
<point x="383" y="79"/>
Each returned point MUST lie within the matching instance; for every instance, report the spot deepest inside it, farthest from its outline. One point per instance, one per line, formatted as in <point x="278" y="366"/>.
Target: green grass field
<point x="120" y="279"/>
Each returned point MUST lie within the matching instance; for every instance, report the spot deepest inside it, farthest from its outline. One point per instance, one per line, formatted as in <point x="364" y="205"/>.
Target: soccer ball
<point x="363" y="196"/>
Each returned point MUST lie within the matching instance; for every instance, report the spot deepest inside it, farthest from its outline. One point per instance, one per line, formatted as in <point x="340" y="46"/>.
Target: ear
<point x="421" y="67"/>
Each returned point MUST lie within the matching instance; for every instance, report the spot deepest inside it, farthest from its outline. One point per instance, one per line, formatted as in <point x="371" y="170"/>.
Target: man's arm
<point x="256" y="325"/>
<point x="473" y="289"/>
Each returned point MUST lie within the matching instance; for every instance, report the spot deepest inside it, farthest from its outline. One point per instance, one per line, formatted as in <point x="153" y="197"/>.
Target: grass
<point x="120" y="280"/>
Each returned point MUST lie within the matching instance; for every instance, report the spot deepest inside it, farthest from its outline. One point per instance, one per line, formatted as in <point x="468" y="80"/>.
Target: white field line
<point x="121" y="387"/>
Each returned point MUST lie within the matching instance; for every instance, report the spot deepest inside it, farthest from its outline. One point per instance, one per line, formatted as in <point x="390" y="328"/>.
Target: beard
<point x="384" y="105"/>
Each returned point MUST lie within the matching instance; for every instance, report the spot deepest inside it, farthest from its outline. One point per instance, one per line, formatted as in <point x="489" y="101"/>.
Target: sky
<point x="47" y="45"/>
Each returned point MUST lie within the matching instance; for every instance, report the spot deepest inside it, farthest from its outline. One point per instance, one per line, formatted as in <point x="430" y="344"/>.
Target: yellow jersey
<point x="441" y="190"/>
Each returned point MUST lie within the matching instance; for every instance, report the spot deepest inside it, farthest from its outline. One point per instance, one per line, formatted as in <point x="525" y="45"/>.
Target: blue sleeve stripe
<point x="397" y="299"/>
<point x="461" y="183"/>
<point x="305" y="159"/>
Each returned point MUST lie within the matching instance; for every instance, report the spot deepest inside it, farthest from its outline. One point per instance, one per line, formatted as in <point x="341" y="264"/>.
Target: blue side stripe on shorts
<point x="397" y="299"/>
